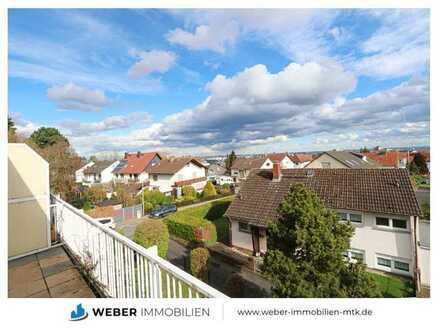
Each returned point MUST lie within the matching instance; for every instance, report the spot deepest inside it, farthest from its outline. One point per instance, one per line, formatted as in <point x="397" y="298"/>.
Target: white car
<point x="108" y="222"/>
<point x="222" y="179"/>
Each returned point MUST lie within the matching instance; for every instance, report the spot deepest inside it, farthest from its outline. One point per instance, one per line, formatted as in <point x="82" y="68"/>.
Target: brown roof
<point x="389" y="158"/>
<point x="190" y="181"/>
<point x="136" y="163"/>
<point x="98" y="167"/>
<point x="387" y="191"/>
<point x="173" y="165"/>
<point x="351" y="159"/>
<point x="247" y="163"/>
<point x="301" y="158"/>
<point x="278" y="157"/>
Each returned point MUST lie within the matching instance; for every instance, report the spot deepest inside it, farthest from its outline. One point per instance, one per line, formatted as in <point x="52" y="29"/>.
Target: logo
<point x="78" y="314"/>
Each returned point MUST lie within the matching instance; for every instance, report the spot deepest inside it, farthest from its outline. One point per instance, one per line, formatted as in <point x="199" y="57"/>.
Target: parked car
<point x="163" y="210"/>
<point x="222" y="179"/>
<point x="108" y="222"/>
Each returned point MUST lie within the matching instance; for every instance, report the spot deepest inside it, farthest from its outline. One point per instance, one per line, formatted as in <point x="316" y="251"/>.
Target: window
<point x="401" y="266"/>
<point x="355" y="217"/>
<point x="325" y="164"/>
<point x="154" y="177"/>
<point x="384" y="262"/>
<point x="382" y="222"/>
<point x="244" y="227"/>
<point x="267" y="164"/>
<point x="354" y="255"/>
<point x="399" y="223"/>
<point x="352" y="217"/>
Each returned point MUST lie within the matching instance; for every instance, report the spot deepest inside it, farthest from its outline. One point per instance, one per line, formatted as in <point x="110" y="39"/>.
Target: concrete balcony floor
<point x="47" y="274"/>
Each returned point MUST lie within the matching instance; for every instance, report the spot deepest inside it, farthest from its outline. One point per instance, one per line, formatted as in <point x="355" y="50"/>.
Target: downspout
<point x="415" y="241"/>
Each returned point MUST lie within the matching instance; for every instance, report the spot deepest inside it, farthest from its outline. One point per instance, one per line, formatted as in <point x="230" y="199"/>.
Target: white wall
<point x="79" y="174"/>
<point x="424" y="252"/>
<point x="286" y="162"/>
<point x="107" y="173"/>
<point x="316" y="163"/>
<point x="385" y="242"/>
<point x="240" y="239"/>
<point x="165" y="182"/>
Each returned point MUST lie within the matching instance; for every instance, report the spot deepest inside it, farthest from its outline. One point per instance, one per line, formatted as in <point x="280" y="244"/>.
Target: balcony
<point x="116" y="266"/>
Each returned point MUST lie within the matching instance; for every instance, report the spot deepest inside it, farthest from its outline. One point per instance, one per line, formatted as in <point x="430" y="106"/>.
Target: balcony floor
<point x="47" y="274"/>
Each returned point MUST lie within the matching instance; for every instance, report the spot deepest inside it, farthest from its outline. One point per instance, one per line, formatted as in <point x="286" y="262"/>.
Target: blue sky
<point x="207" y="81"/>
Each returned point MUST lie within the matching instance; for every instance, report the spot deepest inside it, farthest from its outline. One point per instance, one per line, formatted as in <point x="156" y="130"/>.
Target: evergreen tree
<point x="12" y="137"/>
<point x="305" y="252"/>
<point x="418" y="165"/>
<point x="209" y="190"/>
<point x="230" y="158"/>
<point x="47" y="136"/>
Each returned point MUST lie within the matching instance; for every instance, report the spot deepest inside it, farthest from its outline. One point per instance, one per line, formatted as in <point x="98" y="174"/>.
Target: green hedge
<point x="152" y="232"/>
<point x="187" y="227"/>
<point x="203" y="199"/>
<point x="199" y="263"/>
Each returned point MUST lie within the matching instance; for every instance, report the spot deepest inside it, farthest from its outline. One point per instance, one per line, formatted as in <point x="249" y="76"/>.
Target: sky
<point x="205" y="82"/>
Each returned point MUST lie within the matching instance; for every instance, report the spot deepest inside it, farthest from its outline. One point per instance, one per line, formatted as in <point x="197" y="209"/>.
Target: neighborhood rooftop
<point x="136" y="162"/>
<point x="172" y="165"/>
<point x="352" y="159"/>
<point x="247" y="163"/>
<point x="382" y="191"/>
<point x="98" y="167"/>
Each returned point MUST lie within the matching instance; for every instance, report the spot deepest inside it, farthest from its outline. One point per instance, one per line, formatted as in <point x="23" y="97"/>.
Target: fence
<point x="122" y="268"/>
<point x="128" y="213"/>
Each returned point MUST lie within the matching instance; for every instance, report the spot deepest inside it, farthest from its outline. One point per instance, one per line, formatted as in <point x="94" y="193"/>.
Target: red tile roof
<point x="389" y="158"/>
<point x="137" y="162"/>
<point x="301" y="158"/>
<point x="380" y="191"/>
<point x="277" y="157"/>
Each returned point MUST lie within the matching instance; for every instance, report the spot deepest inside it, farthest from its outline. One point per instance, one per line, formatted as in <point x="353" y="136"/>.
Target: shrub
<point x="152" y="232"/>
<point x="209" y="190"/>
<point x="199" y="263"/>
<point x="154" y="198"/>
<point x="189" y="193"/>
<point x="192" y="229"/>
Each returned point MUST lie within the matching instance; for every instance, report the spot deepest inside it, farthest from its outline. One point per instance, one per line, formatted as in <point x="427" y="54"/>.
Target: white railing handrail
<point x="166" y="265"/>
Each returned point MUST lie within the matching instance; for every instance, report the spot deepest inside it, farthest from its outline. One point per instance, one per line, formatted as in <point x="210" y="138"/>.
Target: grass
<point x="420" y="181"/>
<point x="394" y="287"/>
<point x="212" y="212"/>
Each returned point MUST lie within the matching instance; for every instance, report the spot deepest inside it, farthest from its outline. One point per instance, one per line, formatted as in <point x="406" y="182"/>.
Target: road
<point x="423" y="196"/>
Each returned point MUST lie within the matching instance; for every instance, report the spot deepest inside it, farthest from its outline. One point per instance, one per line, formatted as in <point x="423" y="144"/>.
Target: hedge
<point x="191" y="228"/>
<point x="209" y="190"/>
<point x="152" y="232"/>
<point x="203" y="199"/>
<point x="199" y="263"/>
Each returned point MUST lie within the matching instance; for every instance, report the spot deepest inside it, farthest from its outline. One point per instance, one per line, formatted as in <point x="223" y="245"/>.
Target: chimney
<point x="138" y="154"/>
<point x="276" y="172"/>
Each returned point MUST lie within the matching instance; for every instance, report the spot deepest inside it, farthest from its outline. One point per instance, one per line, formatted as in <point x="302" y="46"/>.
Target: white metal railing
<point x="123" y="268"/>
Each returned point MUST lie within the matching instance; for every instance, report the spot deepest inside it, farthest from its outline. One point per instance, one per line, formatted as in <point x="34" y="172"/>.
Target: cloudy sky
<point x="208" y="81"/>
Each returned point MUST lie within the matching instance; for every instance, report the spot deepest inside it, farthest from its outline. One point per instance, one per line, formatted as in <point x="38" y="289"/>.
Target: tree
<point x="153" y="198"/>
<point x="63" y="162"/>
<point x="96" y="194"/>
<point x="12" y="136"/>
<point x="418" y="165"/>
<point x="209" y="190"/>
<point x="189" y="193"/>
<point x="123" y="196"/>
<point x="230" y="158"/>
<point x="305" y="252"/>
<point x="47" y="136"/>
<point x="364" y="150"/>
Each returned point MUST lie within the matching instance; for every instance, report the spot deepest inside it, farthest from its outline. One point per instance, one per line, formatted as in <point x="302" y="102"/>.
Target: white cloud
<point x="73" y="97"/>
<point x="152" y="61"/>
<point x="205" y="37"/>
<point x="77" y="128"/>
<point x="399" y="47"/>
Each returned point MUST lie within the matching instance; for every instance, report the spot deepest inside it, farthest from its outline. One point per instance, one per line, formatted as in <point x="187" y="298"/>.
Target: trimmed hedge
<point x="199" y="263"/>
<point x="191" y="228"/>
<point x="152" y="232"/>
<point x="203" y="199"/>
<point x="209" y="190"/>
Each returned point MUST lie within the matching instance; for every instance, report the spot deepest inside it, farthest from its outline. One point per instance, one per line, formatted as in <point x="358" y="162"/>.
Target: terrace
<point x="99" y="262"/>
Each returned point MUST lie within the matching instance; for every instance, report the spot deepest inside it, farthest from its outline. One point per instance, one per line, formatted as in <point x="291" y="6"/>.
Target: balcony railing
<point x="122" y="268"/>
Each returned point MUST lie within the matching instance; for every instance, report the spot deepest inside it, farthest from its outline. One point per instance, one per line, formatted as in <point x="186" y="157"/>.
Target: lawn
<point x="212" y="212"/>
<point x="394" y="287"/>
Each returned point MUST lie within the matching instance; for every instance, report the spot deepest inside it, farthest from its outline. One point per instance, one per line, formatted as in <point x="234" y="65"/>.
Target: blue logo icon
<point x="78" y="314"/>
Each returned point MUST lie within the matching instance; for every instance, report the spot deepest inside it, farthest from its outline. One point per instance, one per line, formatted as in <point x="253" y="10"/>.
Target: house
<point x="301" y="160"/>
<point x="379" y="203"/>
<point x="216" y="169"/>
<point x="133" y="168"/>
<point x="242" y="166"/>
<point x="99" y="172"/>
<point x="396" y="159"/>
<point x="79" y="173"/>
<point x="284" y="159"/>
<point x="171" y="174"/>
<point x="342" y="159"/>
